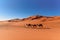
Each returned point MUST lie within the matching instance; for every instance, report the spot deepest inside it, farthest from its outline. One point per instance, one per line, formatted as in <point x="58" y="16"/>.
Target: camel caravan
<point x="34" y="25"/>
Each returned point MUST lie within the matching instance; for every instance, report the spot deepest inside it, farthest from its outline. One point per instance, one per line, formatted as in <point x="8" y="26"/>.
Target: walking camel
<point x="28" y="25"/>
<point x="39" y="26"/>
<point x="34" y="25"/>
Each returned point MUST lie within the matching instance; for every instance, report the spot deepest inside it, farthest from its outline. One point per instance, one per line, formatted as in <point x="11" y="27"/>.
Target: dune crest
<point x="36" y="18"/>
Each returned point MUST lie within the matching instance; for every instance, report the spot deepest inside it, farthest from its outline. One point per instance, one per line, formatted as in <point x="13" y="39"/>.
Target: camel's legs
<point x="26" y="26"/>
<point x="38" y="27"/>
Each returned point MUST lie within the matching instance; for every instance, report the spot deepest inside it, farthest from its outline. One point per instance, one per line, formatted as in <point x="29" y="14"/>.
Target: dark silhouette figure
<point x="34" y="25"/>
<point x="9" y="20"/>
<point x="39" y="26"/>
<point x="28" y="25"/>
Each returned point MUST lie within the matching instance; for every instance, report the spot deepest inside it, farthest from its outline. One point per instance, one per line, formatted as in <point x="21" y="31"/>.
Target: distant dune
<point x="50" y="21"/>
<point x="36" y="17"/>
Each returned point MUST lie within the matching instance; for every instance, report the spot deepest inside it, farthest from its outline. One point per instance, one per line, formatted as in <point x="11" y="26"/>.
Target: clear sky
<point x="23" y="8"/>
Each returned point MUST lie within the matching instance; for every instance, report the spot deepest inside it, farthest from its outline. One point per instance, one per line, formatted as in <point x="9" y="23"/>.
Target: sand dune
<point x="15" y="29"/>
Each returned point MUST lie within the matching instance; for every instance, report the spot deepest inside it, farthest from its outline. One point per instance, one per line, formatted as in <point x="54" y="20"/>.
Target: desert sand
<point x="16" y="30"/>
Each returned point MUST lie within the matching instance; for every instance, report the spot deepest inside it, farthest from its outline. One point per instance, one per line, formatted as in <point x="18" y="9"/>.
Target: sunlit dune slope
<point x="47" y="21"/>
<point x="14" y="29"/>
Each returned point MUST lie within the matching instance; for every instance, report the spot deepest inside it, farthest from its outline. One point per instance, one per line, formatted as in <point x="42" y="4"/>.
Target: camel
<point x="39" y="26"/>
<point x="34" y="25"/>
<point x="28" y="25"/>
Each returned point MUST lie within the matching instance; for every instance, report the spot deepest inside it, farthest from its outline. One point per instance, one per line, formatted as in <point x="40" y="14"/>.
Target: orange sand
<point x="16" y="30"/>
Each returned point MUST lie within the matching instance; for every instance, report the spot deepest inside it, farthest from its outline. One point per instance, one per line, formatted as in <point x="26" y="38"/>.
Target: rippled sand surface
<point x="17" y="33"/>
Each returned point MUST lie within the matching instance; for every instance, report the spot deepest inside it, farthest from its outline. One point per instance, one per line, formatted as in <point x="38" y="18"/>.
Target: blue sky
<point x="24" y="8"/>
